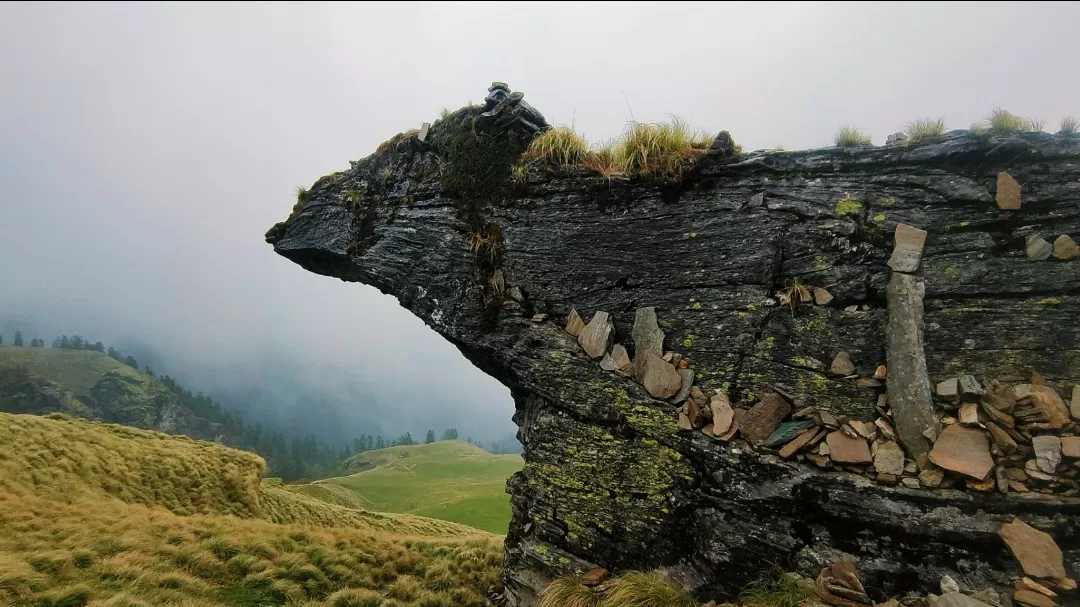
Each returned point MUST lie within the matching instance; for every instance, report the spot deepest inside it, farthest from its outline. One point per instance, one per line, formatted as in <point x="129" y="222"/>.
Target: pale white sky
<point x="144" y="149"/>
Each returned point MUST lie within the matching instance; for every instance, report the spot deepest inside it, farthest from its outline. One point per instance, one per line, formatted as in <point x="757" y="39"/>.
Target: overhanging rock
<point x="447" y="227"/>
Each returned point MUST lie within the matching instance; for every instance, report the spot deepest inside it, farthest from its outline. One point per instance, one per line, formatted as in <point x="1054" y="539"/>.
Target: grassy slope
<point x="113" y="516"/>
<point x="76" y="370"/>
<point x="449" y="480"/>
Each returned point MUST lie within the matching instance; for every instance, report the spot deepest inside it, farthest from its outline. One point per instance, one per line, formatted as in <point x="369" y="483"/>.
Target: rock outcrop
<point x="447" y="227"/>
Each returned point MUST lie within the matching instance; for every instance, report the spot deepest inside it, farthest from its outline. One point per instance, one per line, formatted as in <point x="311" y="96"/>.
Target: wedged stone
<point x="884" y="478"/>
<point x="607" y="363"/>
<point x="828" y="419"/>
<point x="1074" y="404"/>
<point x="866" y="430"/>
<point x="932" y="477"/>
<point x="698" y="397"/>
<point x="910" y="483"/>
<point x="948" y="585"/>
<point x="1037" y="249"/>
<point x="787" y="432"/>
<point x="574" y="324"/>
<point x="889" y="459"/>
<point x="1070" y="446"/>
<point x="881" y="372"/>
<point x="1037" y="552"/>
<point x="1018" y="487"/>
<point x="684" y="421"/>
<point x="594" y="577"/>
<point x="955" y="599"/>
<point x="1065" y="248"/>
<point x="846" y="450"/>
<point x="1027" y="583"/>
<point x="1031" y="467"/>
<point x="963" y="450"/>
<point x="722" y="414"/>
<point x="969" y="414"/>
<point x="886" y="428"/>
<point x="1001" y="480"/>
<point x="1046" y="399"/>
<point x="907" y="248"/>
<point x="822" y="297"/>
<point x="762" y="418"/>
<point x="970" y="389"/>
<point x="424" y="128"/>
<point x="842" y="365"/>
<point x="660" y="378"/>
<point x="1001" y="438"/>
<point x="949" y="390"/>
<point x="1008" y="192"/>
<point x="648" y="338"/>
<point x="908" y="383"/>
<point x="687" y="376"/>
<point x="623" y="366"/>
<point x="797" y="443"/>
<point x="1047" y="453"/>
<point x="1030" y="598"/>
<point x="998" y="416"/>
<point x="693" y="412"/>
<point x="598" y="335"/>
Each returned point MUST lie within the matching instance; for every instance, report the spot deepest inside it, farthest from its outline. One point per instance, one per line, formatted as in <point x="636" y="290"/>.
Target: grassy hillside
<point x="111" y="516"/>
<point x="76" y="370"/>
<point x="449" y="480"/>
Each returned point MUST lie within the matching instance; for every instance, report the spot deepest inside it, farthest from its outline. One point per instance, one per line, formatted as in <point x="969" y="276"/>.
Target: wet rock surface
<point x="642" y="494"/>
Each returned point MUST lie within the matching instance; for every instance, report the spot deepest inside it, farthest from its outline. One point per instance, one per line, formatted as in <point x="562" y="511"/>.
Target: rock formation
<point x="496" y="259"/>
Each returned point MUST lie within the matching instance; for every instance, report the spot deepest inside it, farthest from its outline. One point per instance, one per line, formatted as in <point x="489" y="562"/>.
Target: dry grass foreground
<point x="111" y="516"/>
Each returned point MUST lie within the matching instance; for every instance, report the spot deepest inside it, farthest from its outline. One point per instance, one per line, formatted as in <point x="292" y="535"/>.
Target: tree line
<point x="291" y="458"/>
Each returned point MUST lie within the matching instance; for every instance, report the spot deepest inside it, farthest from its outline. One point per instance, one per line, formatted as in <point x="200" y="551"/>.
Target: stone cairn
<point x="1021" y="439"/>
<point x="509" y="110"/>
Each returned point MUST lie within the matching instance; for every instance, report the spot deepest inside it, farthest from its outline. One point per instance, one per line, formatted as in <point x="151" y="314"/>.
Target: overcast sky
<point x="145" y="149"/>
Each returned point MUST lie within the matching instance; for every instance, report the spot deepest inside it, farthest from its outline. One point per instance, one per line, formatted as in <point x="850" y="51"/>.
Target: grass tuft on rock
<point x="605" y="161"/>
<point x="638" y="589"/>
<point x="775" y="589"/>
<point x="1004" y="121"/>
<point x="558" y="145"/>
<point x="850" y="137"/>
<point x="568" y="592"/>
<point x="925" y="129"/>
<point x="1069" y="125"/>
<point x="659" y="149"/>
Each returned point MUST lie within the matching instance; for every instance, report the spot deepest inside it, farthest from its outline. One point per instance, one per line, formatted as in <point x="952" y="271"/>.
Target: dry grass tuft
<point x="605" y="161"/>
<point x="140" y="518"/>
<point x="852" y="137"/>
<point x="637" y="589"/>
<point x="794" y="294"/>
<point x="925" y="129"/>
<point x="1069" y="125"/>
<point x="661" y="150"/>
<point x="559" y="146"/>
<point x="567" y="592"/>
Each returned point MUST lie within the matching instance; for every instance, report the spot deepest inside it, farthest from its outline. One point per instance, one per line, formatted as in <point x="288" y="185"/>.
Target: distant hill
<point x="449" y="480"/>
<point x="90" y="384"/>
<point x="128" y="517"/>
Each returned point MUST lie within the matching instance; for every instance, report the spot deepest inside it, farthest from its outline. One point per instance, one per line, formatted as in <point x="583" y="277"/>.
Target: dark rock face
<point x="609" y="481"/>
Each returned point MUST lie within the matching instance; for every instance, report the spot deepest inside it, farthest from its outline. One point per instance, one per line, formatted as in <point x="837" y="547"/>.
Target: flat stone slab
<point x="1065" y="248"/>
<point x="1047" y="453"/>
<point x="574" y="324"/>
<point x="1037" y="249"/>
<point x="687" y="376"/>
<point x="598" y="335"/>
<point x="844" y="449"/>
<point x="722" y="414"/>
<point x="889" y="459"/>
<point x="623" y="366"/>
<point x="963" y="450"/>
<point x="660" y="378"/>
<point x="908" y="245"/>
<point x="822" y="297"/>
<point x="797" y="443"/>
<point x="1070" y="446"/>
<point x="787" y="431"/>
<point x="1008" y="193"/>
<point x="648" y="338"/>
<point x="762" y="418"/>
<point x="1047" y="400"/>
<point x="1037" y="552"/>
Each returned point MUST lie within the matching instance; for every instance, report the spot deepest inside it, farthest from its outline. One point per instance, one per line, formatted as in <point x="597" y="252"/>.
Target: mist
<point x="145" y="149"/>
